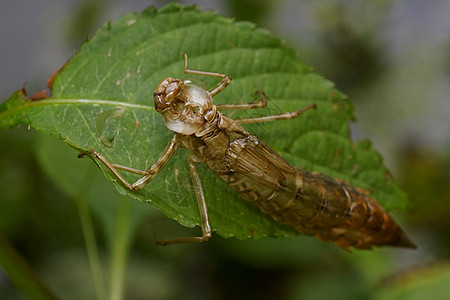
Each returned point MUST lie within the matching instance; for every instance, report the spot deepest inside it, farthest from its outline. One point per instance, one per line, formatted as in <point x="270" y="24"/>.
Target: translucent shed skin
<point x="313" y="204"/>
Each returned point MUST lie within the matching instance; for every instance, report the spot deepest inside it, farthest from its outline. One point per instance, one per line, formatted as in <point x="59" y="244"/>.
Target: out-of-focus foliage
<point x="426" y="174"/>
<point x="428" y="283"/>
<point x="251" y="10"/>
<point x="294" y="268"/>
<point x="352" y="56"/>
<point x="83" y="20"/>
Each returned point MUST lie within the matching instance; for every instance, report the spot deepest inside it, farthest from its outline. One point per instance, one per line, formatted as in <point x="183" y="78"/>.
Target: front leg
<point x="147" y="175"/>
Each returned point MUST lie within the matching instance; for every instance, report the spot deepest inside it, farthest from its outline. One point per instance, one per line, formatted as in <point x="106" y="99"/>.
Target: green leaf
<point x="102" y="99"/>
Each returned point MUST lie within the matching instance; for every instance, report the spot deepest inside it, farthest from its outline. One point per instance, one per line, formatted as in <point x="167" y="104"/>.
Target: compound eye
<point x="173" y="89"/>
<point x="160" y="102"/>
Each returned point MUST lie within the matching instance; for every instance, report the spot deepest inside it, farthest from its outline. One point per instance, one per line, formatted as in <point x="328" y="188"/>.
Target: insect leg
<point x="148" y="175"/>
<point x="283" y="116"/>
<point x="219" y="87"/>
<point x="206" y="228"/>
<point x="240" y="106"/>
<point x="129" y="169"/>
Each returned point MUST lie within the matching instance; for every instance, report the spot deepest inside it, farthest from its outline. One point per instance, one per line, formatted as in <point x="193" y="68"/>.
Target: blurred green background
<point x="392" y="58"/>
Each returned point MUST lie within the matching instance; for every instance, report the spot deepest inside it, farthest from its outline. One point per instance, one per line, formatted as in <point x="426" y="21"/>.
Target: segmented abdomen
<point x="314" y="204"/>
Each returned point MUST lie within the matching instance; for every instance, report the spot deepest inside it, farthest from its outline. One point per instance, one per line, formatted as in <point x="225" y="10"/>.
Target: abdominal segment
<point x="314" y="204"/>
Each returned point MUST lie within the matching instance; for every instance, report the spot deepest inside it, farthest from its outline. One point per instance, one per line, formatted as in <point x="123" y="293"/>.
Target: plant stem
<point x="21" y="273"/>
<point x="120" y="248"/>
<point x="91" y="246"/>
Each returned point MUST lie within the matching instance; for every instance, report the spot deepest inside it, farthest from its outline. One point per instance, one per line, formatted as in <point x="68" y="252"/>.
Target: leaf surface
<point x="102" y="99"/>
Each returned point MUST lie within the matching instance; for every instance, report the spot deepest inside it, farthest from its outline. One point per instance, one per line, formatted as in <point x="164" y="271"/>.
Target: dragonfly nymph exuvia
<point x="312" y="203"/>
